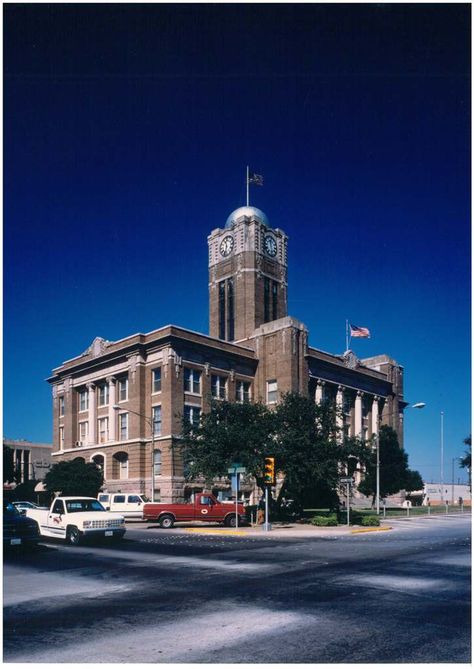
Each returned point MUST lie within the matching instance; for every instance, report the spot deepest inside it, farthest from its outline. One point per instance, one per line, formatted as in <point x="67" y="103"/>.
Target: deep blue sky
<point x="127" y="129"/>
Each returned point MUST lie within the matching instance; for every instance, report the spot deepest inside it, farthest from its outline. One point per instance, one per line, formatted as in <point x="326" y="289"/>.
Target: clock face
<point x="227" y="244"/>
<point x="270" y="245"/>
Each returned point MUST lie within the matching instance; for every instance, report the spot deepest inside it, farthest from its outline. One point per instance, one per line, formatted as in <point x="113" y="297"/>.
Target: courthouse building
<point x="119" y="404"/>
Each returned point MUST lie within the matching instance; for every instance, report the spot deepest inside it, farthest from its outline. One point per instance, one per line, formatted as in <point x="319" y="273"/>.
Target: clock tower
<point x="247" y="275"/>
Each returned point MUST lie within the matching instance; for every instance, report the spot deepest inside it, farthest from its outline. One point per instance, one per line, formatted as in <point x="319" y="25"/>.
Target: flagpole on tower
<point x="247" y="185"/>
<point x="347" y="335"/>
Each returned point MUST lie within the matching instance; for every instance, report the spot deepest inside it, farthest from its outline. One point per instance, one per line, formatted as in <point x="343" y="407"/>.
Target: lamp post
<point x="417" y="405"/>
<point x="149" y="420"/>
<point x="442" y="456"/>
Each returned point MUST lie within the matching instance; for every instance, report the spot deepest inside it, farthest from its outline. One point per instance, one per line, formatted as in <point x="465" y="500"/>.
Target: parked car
<point x="129" y="505"/>
<point x="74" y="518"/>
<point x="205" y="508"/>
<point x="18" y="531"/>
<point x="23" y="506"/>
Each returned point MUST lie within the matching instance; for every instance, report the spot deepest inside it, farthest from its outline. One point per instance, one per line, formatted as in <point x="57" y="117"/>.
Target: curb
<point x="199" y="530"/>
<point x="371" y="529"/>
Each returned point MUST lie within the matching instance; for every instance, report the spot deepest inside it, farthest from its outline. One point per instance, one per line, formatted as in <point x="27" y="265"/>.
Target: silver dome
<point x="246" y="211"/>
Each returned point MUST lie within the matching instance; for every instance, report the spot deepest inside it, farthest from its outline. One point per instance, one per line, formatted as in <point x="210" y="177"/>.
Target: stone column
<point x="375" y="415"/>
<point x="91" y="415"/>
<point x="358" y="414"/>
<point x="111" y="380"/>
<point x="340" y="409"/>
<point x="358" y="428"/>
<point x="318" y="398"/>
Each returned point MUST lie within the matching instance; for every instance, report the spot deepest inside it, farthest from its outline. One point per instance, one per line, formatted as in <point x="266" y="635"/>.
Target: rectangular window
<point x="123" y="426"/>
<point x="124" y="469"/>
<point x="123" y="389"/>
<point x="83" y="400"/>
<point x="192" y="414"/>
<point x="272" y="392"/>
<point x="157" y="421"/>
<point x="26" y="467"/>
<point x="222" y="310"/>
<point x="230" y="309"/>
<point x="274" y="300"/>
<point x="61" y="438"/>
<point x="156" y="380"/>
<point x="83" y="431"/>
<point x="103" y="394"/>
<point x="61" y="405"/>
<point x="192" y="381"/>
<point x="157" y="463"/>
<point x="119" y="499"/>
<point x="218" y="386"/>
<point x="103" y="425"/>
<point x="242" y="391"/>
<point x="266" y="300"/>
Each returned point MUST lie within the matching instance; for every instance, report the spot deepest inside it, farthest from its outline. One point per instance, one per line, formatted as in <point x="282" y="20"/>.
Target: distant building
<point x="255" y="351"/>
<point x="31" y="460"/>
<point x="435" y="493"/>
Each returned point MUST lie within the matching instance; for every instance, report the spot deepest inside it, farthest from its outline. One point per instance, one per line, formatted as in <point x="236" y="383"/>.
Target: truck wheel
<point x="230" y="521"/>
<point x="166" y="522"/>
<point x="73" y="536"/>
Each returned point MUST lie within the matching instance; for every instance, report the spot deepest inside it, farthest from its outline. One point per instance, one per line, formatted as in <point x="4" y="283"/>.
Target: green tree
<point x="413" y="481"/>
<point x="8" y="465"/>
<point x="309" y="449"/>
<point x="229" y="432"/>
<point x="394" y="472"/>
<point x="465" y="462"/>
<point x="301" y="435"/>
<point x="74" y="477"/>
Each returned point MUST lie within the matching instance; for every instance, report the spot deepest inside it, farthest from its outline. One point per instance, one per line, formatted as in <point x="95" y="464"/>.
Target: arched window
<point x="99" y="462"/>
<point x="120" y="465"/>
<point x="157" y="462"/>
<point x="79" y="460"/>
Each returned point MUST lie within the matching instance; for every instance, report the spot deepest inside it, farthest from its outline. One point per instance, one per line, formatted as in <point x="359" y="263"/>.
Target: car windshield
<point x="9" y="509"/>
<point x="80" y="505"/>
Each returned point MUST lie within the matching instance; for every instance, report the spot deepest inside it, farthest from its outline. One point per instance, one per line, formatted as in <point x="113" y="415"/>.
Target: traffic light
<point x="269" y="471"/>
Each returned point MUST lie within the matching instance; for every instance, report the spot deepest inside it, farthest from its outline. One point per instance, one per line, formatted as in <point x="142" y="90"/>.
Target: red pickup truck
<point x="205" y="507"/>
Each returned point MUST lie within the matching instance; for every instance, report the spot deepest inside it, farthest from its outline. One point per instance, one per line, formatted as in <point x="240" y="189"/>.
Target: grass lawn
<point x="392" y="511"/>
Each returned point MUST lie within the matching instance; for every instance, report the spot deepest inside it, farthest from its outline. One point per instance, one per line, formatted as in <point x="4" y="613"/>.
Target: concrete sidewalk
<point x="279" y="530"/>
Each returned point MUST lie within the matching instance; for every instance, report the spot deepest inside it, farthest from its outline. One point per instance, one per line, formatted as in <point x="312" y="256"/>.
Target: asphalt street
<point x="172" y="596"/>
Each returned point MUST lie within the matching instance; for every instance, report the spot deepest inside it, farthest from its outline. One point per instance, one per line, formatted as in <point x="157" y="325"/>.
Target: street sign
<point x="347" y="479"/>
<point x="235" y="480"/>
<point x="238" y="469"/>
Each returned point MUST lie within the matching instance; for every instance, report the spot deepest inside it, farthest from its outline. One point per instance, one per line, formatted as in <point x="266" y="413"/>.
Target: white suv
<point x="129" y="505"/>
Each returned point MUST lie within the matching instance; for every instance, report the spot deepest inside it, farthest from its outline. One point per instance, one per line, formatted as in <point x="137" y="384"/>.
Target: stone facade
<point x="110" y="401"/>
<point x="32" y="460"/>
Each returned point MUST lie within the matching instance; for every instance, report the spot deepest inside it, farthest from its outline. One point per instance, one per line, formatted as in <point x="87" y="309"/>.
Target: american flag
<point x="357" y="331"/>
<point x="256" y="179"/>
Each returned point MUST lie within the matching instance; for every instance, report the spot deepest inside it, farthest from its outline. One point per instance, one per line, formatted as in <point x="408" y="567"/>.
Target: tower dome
<point x="246" y="211"/>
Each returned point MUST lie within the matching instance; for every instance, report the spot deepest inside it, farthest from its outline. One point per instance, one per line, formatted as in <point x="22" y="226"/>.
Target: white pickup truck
<point x="73" y="518"/>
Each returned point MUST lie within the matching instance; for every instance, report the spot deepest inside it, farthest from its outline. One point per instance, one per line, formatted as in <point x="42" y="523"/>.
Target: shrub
<point x="370" y="521"/>
<point x="324" y="521"/>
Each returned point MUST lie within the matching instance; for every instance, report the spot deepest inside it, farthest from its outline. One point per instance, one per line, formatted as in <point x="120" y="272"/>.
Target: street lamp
<point x="417" y="405"/>
<point x="442" y="456"/>
<point x="149" y="420"/>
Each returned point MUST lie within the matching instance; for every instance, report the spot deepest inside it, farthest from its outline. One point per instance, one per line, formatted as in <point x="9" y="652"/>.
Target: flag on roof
<point x="256" y="179"/>
<point x="357" y="331"/>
